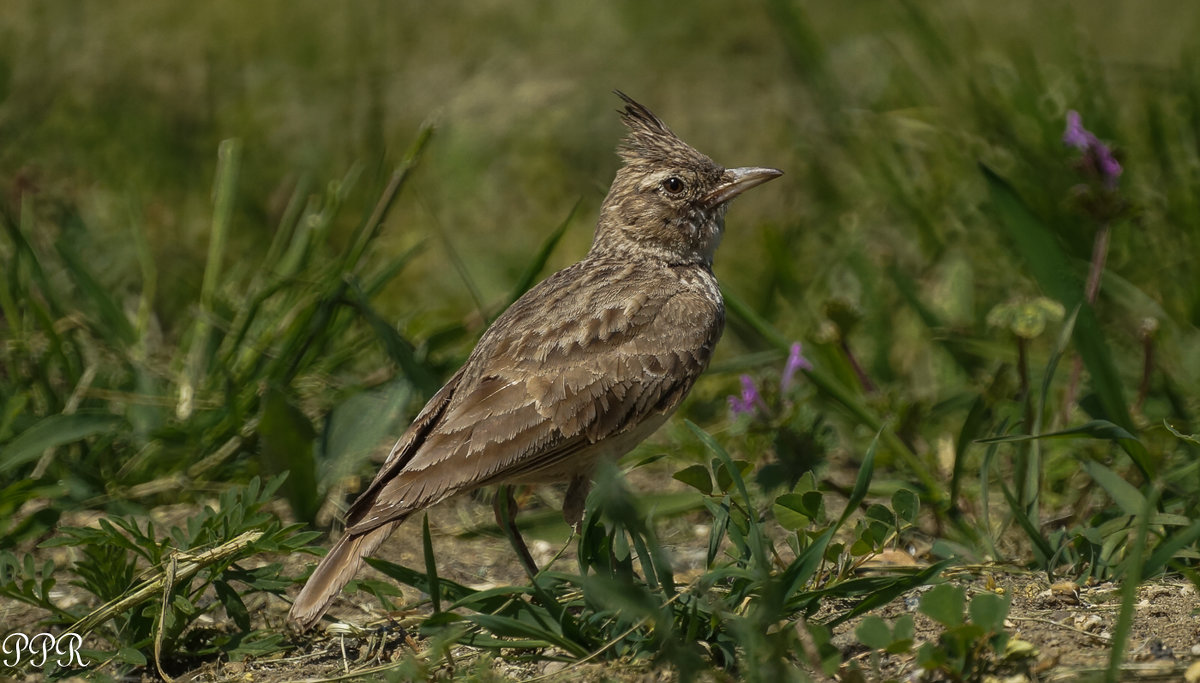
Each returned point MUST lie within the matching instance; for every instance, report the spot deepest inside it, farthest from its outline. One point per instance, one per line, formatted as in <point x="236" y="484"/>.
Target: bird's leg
<point x="505" y="507"/>
<point x="574" y="501"/>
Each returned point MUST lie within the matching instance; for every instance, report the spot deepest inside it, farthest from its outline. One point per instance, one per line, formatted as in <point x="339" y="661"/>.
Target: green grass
<point x="249" y="240"/>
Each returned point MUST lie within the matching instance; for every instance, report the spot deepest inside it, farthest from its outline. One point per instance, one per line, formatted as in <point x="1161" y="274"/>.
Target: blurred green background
<point x="878" y="239"/>
<point x="118" y="108"/>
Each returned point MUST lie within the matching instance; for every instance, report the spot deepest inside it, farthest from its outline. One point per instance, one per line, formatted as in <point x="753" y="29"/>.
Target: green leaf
<point x="55" y="431"/>
<point x="977" y="420"/>
<point x="944" y="604"/>
<point x="287" y="446"/>
<point x="1129" y="575"/>
<point x="720" y="525"/>
<point x="255" y="644"/>
<point x="725" y="480"/>
<point x="131" y="655"/>
<point x="1193" y="439"/>
<point x="1168" y="548"/>
<point x="14" y="405"/>
<point x="695" y="476"/>
<point x="1094" y="429"/>
<point x="509" y="627"/>
<point x="184" y="606"/>
<point x="989" y="610"/>
<point x="904" y="629"/>
<point x="91" y="656"/>
<point x="862" y="483"/>
<point x="1123" y="493"/>
<point x="881" y="513"/>
<point x="234" y="607"/>
<point x="863" y="545"/>
<point x="874" y="633"/>
<point x="906" y="504"/>
<point x="931" y="657"/>
<point x="791" y="512"/>
<point x="375" y="283"/>
<point x="229" y="159"/>
<point x="489" y="600"/>
<point x="830" y="656"/>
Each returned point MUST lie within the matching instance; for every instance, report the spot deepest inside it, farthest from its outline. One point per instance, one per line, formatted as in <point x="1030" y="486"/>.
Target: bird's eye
<point x="673" y="185"/>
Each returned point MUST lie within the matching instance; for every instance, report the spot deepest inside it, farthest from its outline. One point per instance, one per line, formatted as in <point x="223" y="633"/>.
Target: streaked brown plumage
<point x="583" y="366"/>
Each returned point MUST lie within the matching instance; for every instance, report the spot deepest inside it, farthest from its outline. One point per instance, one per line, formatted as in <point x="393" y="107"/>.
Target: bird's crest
<point x="650" y="141"/>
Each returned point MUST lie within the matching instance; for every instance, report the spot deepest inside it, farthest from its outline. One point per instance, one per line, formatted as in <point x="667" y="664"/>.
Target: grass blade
<point x="801" y="570"/>
<point x="52" y="432"/>
<point x="862" y="482"/>
<point x="1125" y="494"/>
<point x="108" y="313"/>
<point x="370" y="228"/>
<point x="509" y="627"/>
<point x="435" y="590"/>
<point x="1167" y="549"/>
<point x="229" y="155"/>
<point x="287" y="446"/>
<point x="1041" y="547"/>
<point x="1094" y="429"/>
<point x="229" y="159"/>
<point x="410" y="577"/>
<point x="529" y="276"/>
<point x="757" y="545"/>
<point x="398" y="348"/>
<point x="1129" y="585"/>
<point x="892" y="588"/>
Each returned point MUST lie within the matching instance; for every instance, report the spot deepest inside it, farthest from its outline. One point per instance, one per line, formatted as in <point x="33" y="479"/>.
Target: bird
<point x="582" y="367"/>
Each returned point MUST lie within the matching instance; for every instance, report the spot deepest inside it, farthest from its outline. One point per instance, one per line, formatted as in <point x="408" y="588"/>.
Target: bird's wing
<point x="406" y="446"/>
<point x="569" y="365"/>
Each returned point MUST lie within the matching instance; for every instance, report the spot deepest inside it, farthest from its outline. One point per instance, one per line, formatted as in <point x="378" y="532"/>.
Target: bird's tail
<point x="335" y="571"/>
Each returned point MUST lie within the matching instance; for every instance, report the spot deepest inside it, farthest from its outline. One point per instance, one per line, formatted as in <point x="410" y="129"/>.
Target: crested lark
<point x="583" y="366"/>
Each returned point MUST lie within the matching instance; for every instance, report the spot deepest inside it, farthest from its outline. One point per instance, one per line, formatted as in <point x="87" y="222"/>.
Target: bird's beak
<point x="737" y="181"/>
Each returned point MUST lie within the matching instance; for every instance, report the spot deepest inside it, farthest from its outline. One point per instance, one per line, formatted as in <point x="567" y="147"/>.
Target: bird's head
<point x="668" y="200"/>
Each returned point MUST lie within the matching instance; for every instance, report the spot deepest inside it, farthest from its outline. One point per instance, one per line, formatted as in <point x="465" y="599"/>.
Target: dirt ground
<point x="1069" y="627"/>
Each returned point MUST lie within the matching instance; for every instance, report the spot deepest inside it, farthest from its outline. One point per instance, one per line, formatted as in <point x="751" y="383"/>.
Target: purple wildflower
<point x="748" y="402"/>
<point x="1096" y="154"/>
<point x="795" y="362"/>
<point x="1076" y="135"/>
<point x="1110" y="168"/>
